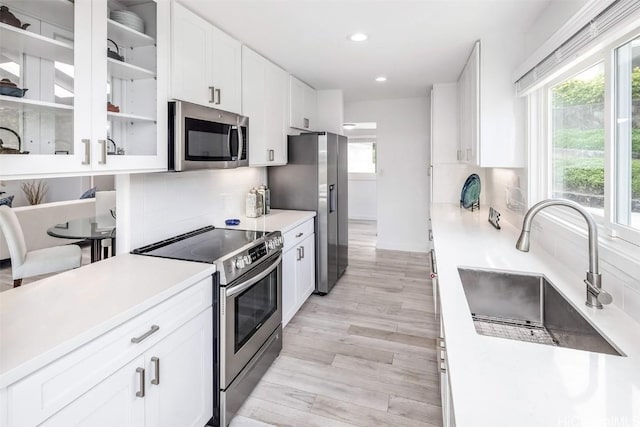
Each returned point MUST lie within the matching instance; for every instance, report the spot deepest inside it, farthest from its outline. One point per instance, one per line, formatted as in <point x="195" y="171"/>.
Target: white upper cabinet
<point x="205" y="64"/>
<point x="191" y="56"/>
<point x="62" y="120"/>
<point x="468" y="109"/>
<point x="444" y="123"/>
<point x="488" y="106"/>
<point x="227" y="72"/>
<point x="264" y="101"/>
<point x="302" y="105"/>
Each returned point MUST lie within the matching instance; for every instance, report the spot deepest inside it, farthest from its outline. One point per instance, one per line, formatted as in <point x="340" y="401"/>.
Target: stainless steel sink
<point x="527" y="307"/>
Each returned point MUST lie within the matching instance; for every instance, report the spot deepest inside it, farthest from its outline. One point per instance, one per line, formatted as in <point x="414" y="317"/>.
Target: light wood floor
<point x="364" y="355"/>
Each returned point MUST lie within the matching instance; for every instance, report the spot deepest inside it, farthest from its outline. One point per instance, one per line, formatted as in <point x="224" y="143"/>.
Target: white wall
<point x="402" y="179"/>
<point x="161" y="205"/>
<point x="363" y="197"/>
<point x="330" y="114"/>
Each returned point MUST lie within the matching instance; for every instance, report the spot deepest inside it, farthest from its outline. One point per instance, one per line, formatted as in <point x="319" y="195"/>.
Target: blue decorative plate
<point x="470" y="191"/>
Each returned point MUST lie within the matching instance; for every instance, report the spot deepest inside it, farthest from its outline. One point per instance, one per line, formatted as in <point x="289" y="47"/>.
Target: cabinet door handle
<point x="156" y="367"/>
<point x="154" y="329"/>
<point x="271" y="155"/>
<point x="103" y="150"/>
<point x="306" y="123"/>
<point x="212" y="95"/>
<point x="140" y="372"/>
<point x="219" y="93"/>
<point x="299" y="254"/>
<point x="299" y="235"/>
<point x="302" y="250"/>
<point x="430" y="235"/>
<point x="87" y="151"/>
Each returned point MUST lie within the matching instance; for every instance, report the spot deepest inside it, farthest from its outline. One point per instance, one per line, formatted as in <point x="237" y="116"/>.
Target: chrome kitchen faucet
<point x="596" y="296"/>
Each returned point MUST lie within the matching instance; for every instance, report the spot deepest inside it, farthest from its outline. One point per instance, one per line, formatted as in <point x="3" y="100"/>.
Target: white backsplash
<point x="165" y="204"/>
<point x="506" y="191"/>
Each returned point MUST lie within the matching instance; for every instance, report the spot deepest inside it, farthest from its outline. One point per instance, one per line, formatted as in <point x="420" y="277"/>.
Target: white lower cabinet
<point x="113" y="402"/>
<point x="169" y="385"/>
<point x="179" y="376"/>
<point x="154" y="370"/>
<point x="298" y="270"/>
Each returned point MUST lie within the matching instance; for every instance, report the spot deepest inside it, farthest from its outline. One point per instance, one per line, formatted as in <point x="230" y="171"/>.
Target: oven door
<point x="250" y="310"/>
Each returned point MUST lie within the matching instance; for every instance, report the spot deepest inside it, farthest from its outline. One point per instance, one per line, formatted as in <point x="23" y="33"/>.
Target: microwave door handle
<point x="229" y="142"/>
<point x="240" y="144"/>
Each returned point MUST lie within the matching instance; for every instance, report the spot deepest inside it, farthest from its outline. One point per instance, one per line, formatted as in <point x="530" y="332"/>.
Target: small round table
<point x="96" y="229"/>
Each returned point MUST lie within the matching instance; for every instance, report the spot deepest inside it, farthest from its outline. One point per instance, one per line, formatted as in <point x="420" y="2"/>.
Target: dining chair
<point x="33" y="263"/>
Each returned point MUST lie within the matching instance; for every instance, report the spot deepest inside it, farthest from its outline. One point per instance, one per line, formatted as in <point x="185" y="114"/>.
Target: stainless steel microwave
<point x="205" y="138"/>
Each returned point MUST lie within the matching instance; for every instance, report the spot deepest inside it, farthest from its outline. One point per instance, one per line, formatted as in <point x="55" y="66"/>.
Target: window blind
<point x="598" y="28"/>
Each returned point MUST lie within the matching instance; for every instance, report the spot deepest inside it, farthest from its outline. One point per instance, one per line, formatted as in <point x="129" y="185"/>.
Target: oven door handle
<point x="241" y="288"/>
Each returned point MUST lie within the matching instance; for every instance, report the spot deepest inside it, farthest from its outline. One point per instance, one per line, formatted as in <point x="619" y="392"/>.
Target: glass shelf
<point x="31" y="105"/>
<point x="24" y="42"/>
<point x="126" y="71"/>
<point x="127" y="37"/>
<point x="124" y="117"/>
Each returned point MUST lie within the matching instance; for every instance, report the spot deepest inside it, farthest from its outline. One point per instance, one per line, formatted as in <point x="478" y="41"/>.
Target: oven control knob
<point x="247" y="260"/>
<point x="239" y="263"/>
<point x="271" y="245"/>
<point x="280" y="240"/>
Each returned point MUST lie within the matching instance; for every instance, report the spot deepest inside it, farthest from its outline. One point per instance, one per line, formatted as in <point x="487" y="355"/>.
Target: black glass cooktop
<point x="206" y="244"/>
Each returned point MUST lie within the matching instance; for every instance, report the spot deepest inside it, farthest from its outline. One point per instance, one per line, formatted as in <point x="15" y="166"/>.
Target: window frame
<point x="540" y="139"/>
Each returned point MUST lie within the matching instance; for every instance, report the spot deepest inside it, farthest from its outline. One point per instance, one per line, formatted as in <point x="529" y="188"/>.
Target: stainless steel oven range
<point x="248" y="323"/>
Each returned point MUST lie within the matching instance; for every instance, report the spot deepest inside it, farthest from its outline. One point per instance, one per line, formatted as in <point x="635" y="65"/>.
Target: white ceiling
<point x="414" y="43"/>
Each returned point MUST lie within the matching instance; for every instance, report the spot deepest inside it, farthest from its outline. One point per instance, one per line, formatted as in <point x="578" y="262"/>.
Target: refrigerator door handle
<point x="332" y="198"/>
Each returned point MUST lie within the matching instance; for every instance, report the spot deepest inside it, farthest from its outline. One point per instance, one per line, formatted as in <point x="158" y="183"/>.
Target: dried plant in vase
<point x="34" y="191"/>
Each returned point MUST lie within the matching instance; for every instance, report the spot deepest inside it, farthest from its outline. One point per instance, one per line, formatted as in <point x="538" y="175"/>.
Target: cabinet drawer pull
<point x="87" y="151"/>
<point x="299" y="235"/>
<point x="156" y="367"/>
<point x="154" y="329"/>
<point x="212" y="94"/>
<point x="140" y="372"/>
<point x="103" y="151"/>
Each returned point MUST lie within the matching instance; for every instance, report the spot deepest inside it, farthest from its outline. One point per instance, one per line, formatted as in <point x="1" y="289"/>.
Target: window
<point x="362" y="156"/>
<point x="577" y="138"/>
<point x="585" y="133"/>
<point x="627" y="134"/>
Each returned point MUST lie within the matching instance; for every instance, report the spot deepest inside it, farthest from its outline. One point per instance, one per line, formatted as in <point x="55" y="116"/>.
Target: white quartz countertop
<point x="44" y="320"/>
<point x="499" y="382"/>
<point x="276" y="220"/>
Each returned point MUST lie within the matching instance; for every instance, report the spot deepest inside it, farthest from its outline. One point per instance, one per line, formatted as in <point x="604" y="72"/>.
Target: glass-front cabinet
<point x="83" y="87"/>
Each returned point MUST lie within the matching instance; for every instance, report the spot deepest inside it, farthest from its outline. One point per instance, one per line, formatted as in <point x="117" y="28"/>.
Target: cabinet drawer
<point x="298" y="234"/>
<point x="46" y="391"/>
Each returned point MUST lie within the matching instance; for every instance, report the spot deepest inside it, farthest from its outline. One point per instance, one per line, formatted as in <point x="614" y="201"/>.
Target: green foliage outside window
<point x="585" y="174"/>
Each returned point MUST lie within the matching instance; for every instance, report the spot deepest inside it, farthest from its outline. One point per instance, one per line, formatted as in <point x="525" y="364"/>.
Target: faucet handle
<point x="600" y="294"/>
<point x="604" y="298"/>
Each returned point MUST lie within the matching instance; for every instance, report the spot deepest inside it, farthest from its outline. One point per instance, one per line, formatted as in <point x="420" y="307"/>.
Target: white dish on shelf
<point x="129" y="19"/>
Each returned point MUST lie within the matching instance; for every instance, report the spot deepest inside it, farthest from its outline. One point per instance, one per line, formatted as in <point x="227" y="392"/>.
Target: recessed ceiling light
<point x="358" y="37"/>
<point x="349" y="126"/>
<point x="381" y="79"/>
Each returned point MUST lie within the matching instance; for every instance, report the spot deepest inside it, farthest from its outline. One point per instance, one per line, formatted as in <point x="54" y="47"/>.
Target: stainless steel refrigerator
<point x="315" y="179"/>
